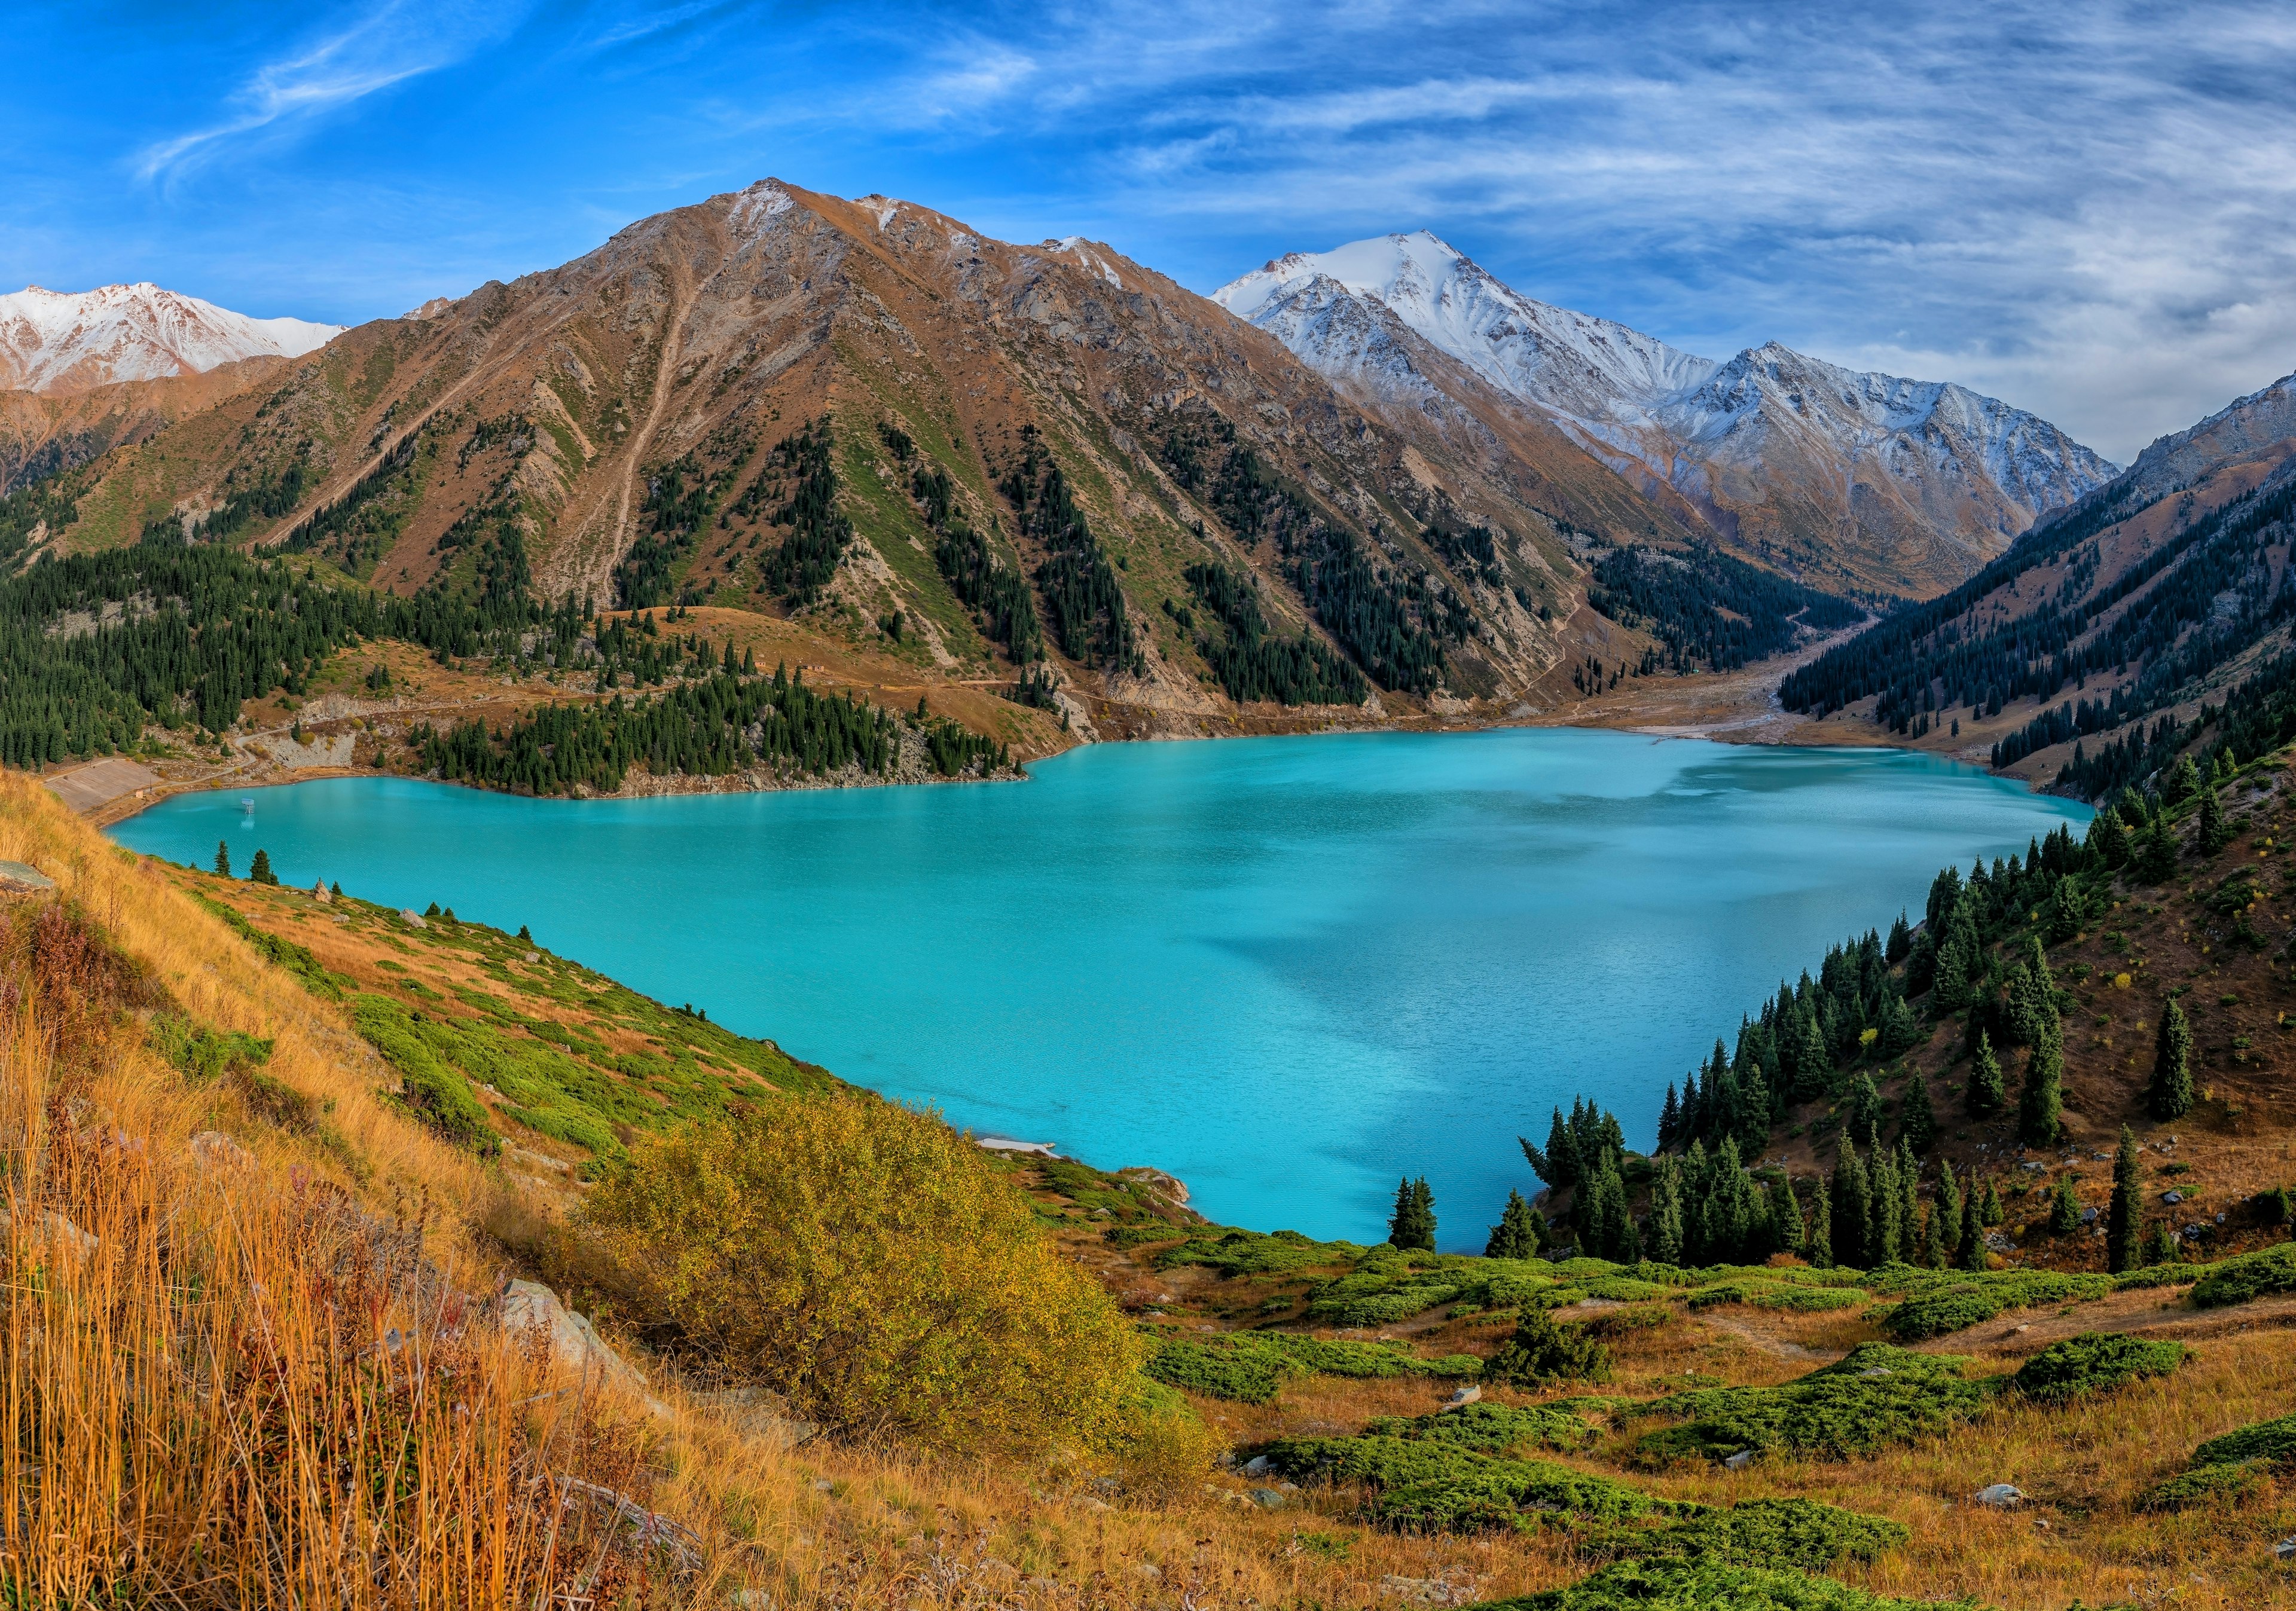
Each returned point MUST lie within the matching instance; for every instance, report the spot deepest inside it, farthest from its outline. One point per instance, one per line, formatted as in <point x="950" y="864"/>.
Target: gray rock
<point x="2285" y="1549"/>
<point x="1464" y="1396"/>
<point x="2172" y="1196"/>
<point x="2088" y="1216"/>
<point x="2001" y="1496"/>
<point x="1267" y="1499"/>
<point x="1259" y="1465"/>
<point x="1739" y="1461"/>
<point x="214" y="1153"/>
<point x="1876" y="1371"/>
<point x="574" y="1343"/>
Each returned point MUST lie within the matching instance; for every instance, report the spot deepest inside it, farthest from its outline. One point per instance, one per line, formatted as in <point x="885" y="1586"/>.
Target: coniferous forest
<point x="1712" y="612"/>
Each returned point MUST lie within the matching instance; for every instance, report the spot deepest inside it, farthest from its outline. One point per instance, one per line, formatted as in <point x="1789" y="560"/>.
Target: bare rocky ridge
<point x="69" y="341"/>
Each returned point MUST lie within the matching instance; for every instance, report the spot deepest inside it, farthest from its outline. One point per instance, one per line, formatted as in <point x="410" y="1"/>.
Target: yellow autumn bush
<point x="872" y="1266"/>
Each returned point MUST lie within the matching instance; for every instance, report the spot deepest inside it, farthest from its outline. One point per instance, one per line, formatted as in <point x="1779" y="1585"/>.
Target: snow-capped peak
<point x="1549" y="357"/>
<point x="71" y="340"/>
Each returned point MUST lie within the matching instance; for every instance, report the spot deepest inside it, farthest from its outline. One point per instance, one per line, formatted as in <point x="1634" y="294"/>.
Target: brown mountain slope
<point x="2161" y="593"/>
<point x="577" y="407"/>
<point x="43" y="434"/>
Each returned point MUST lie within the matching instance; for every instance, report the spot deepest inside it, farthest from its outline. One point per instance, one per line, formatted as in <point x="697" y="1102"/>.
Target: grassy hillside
<point x="347" y="1056"/>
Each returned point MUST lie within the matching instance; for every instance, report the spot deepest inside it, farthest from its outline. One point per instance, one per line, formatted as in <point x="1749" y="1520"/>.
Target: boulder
<point x="1267" y="1499"/>
<point x="216" y="1153"/>
<point x="2000" y="1496"/>
<point x="574" y="1343"/>
<point x="1465" y="1395"/>
<point x="1739" y="1461"/>
<point x="1259" y="1465"/>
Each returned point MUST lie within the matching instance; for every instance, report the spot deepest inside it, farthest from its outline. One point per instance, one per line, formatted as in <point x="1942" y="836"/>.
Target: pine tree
<point x="1864" y="1121"/>
<point x="1785" y="1226"/>
<point x="1970" y="1254"/>
<point x="2155" y="858"/>
<point x="1909" y="1205"/>
<point x="2041" y="1106"/>
<point x="432" y="911"/>
<point x="1987" y="1090"/>
<point x="2184" y="782"/>
<point x="1917" y="1120"/>
<point x="2108" y="837"/>
<point x="1669" y="1121"/>
<point x="1853" y="1214"/>
<point x="336" y="889"/>
<point x="2160" y="1244"/>
<point x="2170" y="1095"/>
<point x="1515" y="1237"/>
<point x="1884" y="1230"/>
<point x="1813" y="1073"/>
<point x="258" y="872"/>
<point x="223" y="860"/>
<point x="2064" y="1208"/>
<point x="1821" y="1228"/>
<point x="1401" y="1224"/>
<point x="2128" y="1204"/>
<point x="1990" y="1212"/>
<point x="1665" y="1242"/>
<point x="524" y="933"/>
<point x="1937" y="1249"/>
<point x="1901" y="941"/>
<point x="1948" y="1208"/>
<point x="2214" y="833"/>
<point x="1900" y="1030"/>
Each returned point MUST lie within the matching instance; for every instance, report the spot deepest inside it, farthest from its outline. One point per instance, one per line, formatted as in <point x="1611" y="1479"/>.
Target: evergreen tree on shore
<point x="1516" y="1235"/>
<point x="258" y="872"/>
<point x="1412" y="1225"/>
<point x="2170" y="1094"/>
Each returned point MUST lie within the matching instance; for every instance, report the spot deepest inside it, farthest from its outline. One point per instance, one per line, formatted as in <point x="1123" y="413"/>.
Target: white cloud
<point x="386" y="44"/>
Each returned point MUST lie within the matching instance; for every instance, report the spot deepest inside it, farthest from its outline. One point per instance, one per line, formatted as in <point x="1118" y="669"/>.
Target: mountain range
<point x="1841" y="477"/>
<point x="1481" y="503"/>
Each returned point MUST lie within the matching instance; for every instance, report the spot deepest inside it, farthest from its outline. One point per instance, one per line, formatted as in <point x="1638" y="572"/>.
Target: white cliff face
<point x="1769" y="427"/>
<point x="58" y="341"/>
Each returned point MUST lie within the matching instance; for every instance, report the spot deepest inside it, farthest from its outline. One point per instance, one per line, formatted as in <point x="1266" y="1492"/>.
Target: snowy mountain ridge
<point x="60" y="342"/>
<point x="1778" y="450"/>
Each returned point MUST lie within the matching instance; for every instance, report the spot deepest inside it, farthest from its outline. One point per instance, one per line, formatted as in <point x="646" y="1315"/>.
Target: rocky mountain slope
<point x="43" y="434"/>
<point x="1847" y="480"/>
<point x="2110" y="636"/>
<point x="991" y="425"/>
<point x="69" y="341"/>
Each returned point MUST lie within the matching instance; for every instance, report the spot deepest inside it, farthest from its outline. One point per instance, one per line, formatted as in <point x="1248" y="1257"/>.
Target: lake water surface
<point x="1288" y="970"/>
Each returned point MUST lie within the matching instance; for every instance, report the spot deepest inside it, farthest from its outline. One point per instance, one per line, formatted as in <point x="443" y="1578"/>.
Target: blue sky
<point x="2089" y="210"/>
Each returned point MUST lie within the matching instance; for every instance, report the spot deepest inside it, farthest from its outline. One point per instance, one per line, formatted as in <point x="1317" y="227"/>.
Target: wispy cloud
<point x="385" y="45"/>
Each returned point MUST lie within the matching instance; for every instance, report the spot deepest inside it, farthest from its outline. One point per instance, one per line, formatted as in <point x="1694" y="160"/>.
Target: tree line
<point x="1710" y="611"/>
<point x="1253" y="663"/>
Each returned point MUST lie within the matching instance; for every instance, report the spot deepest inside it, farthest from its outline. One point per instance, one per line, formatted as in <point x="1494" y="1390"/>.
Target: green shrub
<point x="2274" y="1441"/>
<point x="438" y="1093"/>
<point x="877" y="1268"/>
<point x="1875" y="1396"/>
<point x="280" y="953"/>
<point x="1777" y="1295"/>
<point x="2158" y="1275"/>
<point x="1953" y="1303"/>
<point x="1541" y="1351"/>
<point x="1796" y="1533"/>
<point x="202" y="1054"/>
<point x="2251" y="1275"/>
<point x="2096" y="1361"/>
<point x="1491" y="1428"/>
<point x="1250" y="1367"/>
<point x="1250" y="1253"/>
<point x="1428" y="1485"/>
<point x="1709" y="1586"/>
<point x="2213" y="1485"/>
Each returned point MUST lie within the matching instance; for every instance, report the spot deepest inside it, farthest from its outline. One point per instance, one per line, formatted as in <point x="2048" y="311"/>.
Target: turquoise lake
<point x="1287" y="971"/>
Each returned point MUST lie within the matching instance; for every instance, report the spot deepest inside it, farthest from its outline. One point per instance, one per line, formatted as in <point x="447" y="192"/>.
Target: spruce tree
<point x="2159" y="1244"/>
<point x="1917" y="1120"/>
<point x="258" y="872"/>
<point x="2155" y="857"/>
<point x="2170" y="1095"/>
<point x="1786" y="1232"/>
<point x="1423" y="1210"/>
<point x="1884" y="1201"/>
<point x="1909" y="1201"/>
<point x="2041" y="1106"/>
<point x="1989" y="1090"/>
<point x="2184" y="782"/>
<point x="1937" y="1247"/>
<point x="1990" y="1213"/>
<point x="1853" y="1216"/>
<point x="1863" y="1122"/>
<point x="1669" y="1120"/>
<point x="2214" y="833"/>
<point x="336" y="889"/>
<point x="1665" y="1242"/>
<point x="223" y="860"/>
<point x="2128" y="1204"/>
<point x="1948" y="1208"/>
<point x="1901" y="941"/>
<point x="2064" y="1208"/>
<point x="1515" y="1237"/>
<point x="1401" y="1224"/>
<point x="1821" y="1227"/>
<point x="1971" y="1254"/>
<point x="1813" y="1074"/>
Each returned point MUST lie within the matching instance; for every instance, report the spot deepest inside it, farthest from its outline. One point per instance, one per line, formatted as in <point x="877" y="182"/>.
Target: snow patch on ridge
<point x="72" y="340"/>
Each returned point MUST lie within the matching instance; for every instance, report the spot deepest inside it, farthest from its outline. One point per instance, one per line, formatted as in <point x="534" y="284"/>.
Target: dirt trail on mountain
<point x="598" y="567"/>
